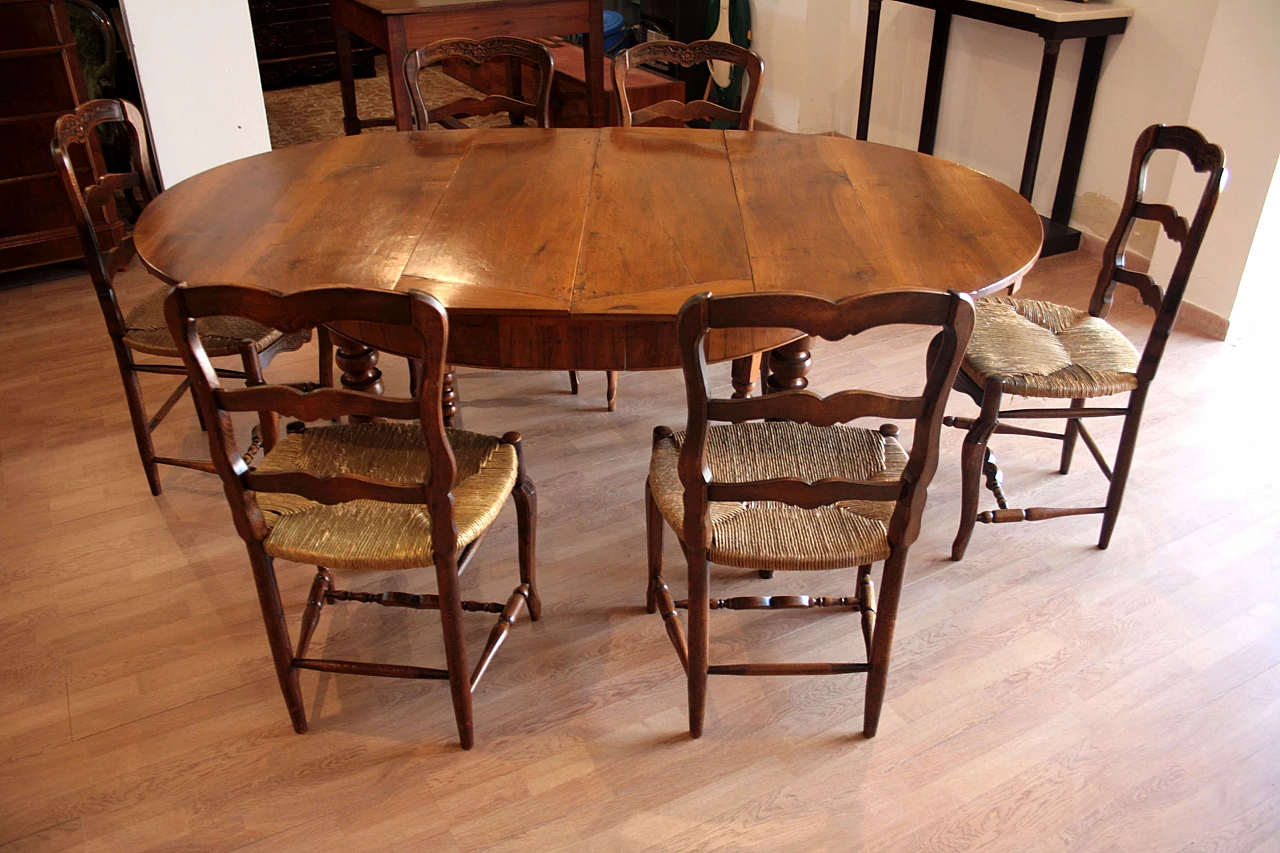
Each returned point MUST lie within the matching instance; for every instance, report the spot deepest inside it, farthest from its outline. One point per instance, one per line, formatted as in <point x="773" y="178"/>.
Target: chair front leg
<point x="268" y="421"/>
<point x="972" y="457"/>
<point x="526" y="498"/>
<point x="1069" y="437"/>
<point x="653" y="523"/>
<point x="1124" y="460"/>
<point x="699" y="637"/>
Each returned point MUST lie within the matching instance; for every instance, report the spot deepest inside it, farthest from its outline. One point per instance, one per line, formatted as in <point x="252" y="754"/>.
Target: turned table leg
<point x="359" y="365"/>
<point x="789" y="366"/>
<point x="449" y="396"/>
<point x="744" y="374"/>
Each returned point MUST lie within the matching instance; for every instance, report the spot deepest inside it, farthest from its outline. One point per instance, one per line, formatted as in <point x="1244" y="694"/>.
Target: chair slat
<point x="826" y="318"/>
<point x="1175" y="226"/>
<point x="808" y="407"/>
<point x="795" y="492"/>
<point x="321" y="404"/>
<point x="684" y="112"/>
<point x="1151" y="293"/>
<point x="337" y="489"/>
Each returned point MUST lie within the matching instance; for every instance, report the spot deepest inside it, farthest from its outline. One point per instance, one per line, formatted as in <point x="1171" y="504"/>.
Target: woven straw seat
<point x="775" y="536"/>
<point x="367" y="534"/>
<point x="146" y="331"/>
<point x="1042" y="349"/>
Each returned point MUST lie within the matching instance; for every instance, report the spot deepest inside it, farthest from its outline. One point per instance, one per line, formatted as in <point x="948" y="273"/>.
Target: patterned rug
<point x="310" y="113"/>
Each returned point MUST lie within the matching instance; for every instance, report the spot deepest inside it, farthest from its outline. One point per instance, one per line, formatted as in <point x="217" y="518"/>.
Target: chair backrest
<point x="688" y="55"/>
<point x="1204" y="157"/>
<point x="308" y="309"/>
<point x="78" y="129"/>
<point x="820" y="317"/>
<point x="514" y="49"/>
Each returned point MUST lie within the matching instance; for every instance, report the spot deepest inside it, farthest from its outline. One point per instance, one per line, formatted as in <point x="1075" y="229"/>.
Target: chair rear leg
<point x="699" y="637"/>
<point x="882" y="639"/>
<point x="138" y="416"/>
<point x="972" y="457"/>
<point x="264" y="578"/>
<point x="1124" y="460"/>
<point x="455" y="648"/>
<point x="1069" y="438"/>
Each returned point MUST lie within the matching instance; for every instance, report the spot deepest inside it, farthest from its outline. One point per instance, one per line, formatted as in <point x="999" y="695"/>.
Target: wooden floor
<point x="1044" y="695"/>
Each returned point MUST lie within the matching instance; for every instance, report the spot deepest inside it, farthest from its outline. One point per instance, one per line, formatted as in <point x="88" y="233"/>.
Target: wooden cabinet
<point x="294" y="41"/>
<point x="41" y="81"/>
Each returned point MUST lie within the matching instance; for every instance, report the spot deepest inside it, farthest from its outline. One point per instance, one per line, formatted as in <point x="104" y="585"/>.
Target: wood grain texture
<point x="624" y="224"/>
<point x="1043" y="693"/>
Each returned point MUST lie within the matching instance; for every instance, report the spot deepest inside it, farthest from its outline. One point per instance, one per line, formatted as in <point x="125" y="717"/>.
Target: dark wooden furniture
<point x="686" y="55"/>
<point x="398" y="26"/>
<point x="1054" y="21"/>
<point x="784" y="484"/>
<point x="143" y="329"/>
<point x="42" y="80"/>
<point x="561" y="264"/>
<point x="514" y="51"/>
<point x="360" y="496"/>
<point x="1041" y="349"/>
<point x="294" y="42"/>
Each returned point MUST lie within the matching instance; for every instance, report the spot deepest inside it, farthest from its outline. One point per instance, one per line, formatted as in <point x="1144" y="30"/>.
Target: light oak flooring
<point x="1044" y="695"/>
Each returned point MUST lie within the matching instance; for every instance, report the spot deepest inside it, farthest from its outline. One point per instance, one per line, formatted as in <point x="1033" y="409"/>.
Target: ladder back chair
<point x="783" y="483"/>
<point x="687" y="55"/>
<point x="392" y="495"/>
<point x="1045" y="350"/>
<point x="516" y="51"/>
<point x="143" y="329"/>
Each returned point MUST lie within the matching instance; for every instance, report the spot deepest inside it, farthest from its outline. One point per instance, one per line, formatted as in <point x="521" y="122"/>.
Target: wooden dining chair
<point x="143" y="329"/>
<point x="370" y="496"/>
<point x="783" y="484"/>
<point x="1045" y="350"/>
<point x="687" y="55"/>
<point x="515" y="51"/>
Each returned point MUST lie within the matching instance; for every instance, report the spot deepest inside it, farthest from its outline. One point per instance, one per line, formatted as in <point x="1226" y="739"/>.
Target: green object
<point x="740" y="34"/>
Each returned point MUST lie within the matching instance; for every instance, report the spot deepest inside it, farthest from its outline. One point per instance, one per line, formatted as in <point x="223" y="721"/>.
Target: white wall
<point x="199" y="78"/>
<point x="1235" y="106"/>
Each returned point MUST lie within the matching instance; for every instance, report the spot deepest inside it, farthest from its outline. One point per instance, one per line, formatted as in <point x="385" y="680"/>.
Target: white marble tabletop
<point x="1062" y="11"/>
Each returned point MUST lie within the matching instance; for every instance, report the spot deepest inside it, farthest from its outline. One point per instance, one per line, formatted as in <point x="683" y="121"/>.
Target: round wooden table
<point x="573" y="249"/>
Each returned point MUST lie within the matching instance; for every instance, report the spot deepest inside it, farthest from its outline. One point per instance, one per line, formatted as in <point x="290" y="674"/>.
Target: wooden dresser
<point x="294" y="41"/>
<point x="41" y="80"/>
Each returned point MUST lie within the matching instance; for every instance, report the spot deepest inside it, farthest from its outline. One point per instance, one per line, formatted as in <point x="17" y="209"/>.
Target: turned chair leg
<point x="699" y="637"/>
<point x="1124" y="461"/>
<point x="455" y="646"/>
<point x="653" y="524"/>
<point x="1070" y="434"/>
<point x="264" y="578"/>
<point x="972" y="457"/>
<point x="268" y="421"/>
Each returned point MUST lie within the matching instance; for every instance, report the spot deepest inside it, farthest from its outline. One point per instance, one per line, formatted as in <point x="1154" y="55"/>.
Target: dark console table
<point x="1052" y="20"/>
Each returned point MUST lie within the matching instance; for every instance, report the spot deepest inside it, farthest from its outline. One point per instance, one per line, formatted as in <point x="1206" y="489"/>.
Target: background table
<point x="399" y="26"/>
<point x="1053" y="21"/>
<point x="573" y="249"/>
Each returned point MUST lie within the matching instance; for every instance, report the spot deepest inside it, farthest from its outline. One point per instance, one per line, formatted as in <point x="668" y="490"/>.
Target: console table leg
<point x="868" y="67"/>
<point x="789" y="366"/>
<point x="1078" y="130"/>
<point x="933" y="84"/>
<point x="346" y="80"/>
<point x="1036" y="137"/>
